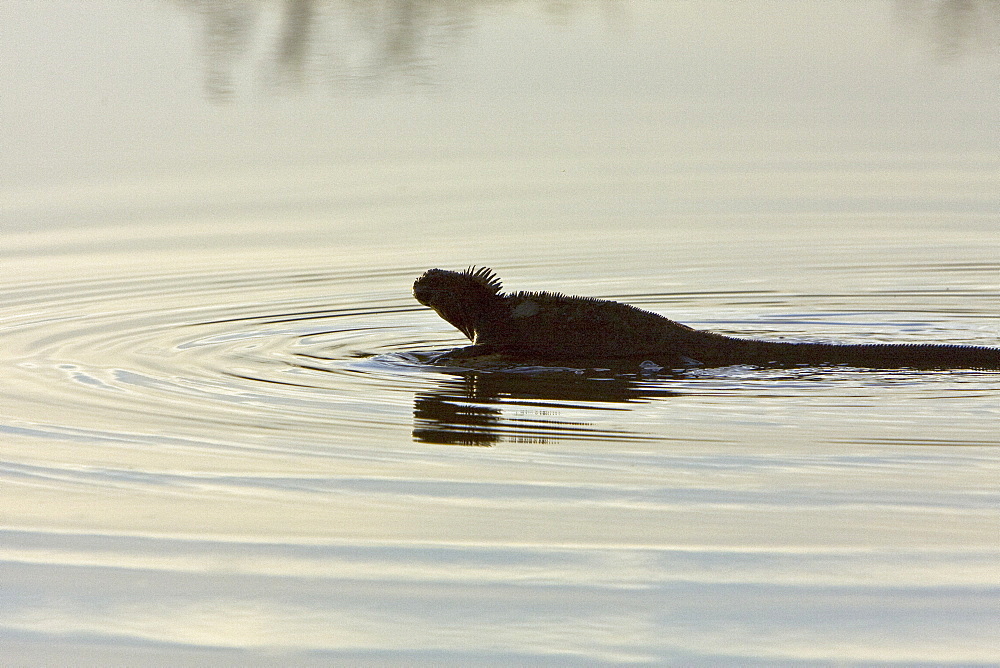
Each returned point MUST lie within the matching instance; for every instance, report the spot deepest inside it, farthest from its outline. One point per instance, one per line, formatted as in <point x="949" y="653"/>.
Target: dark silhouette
<point x="545" y="326"/>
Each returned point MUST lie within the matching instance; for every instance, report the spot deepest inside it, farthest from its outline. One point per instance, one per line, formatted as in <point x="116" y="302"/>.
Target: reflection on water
<point x="369" y="44"/>
<point x="954" y="27"/>
<point x="345" y="42"/>
<point x="211" y="357"/>
<point x="525" y="406"/>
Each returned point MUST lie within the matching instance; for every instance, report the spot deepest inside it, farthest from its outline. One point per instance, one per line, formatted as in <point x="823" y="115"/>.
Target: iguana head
<point x="462" y="298"/>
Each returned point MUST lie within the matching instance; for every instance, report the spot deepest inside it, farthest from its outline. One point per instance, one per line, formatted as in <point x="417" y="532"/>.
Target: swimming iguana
<point x="553" y="326"/>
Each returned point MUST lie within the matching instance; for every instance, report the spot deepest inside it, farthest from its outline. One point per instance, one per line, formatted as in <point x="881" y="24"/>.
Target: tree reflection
<point x="345" y="42"/>
<point x="226" y="32"/>
<point x="954" y="27"/>
<point x="293" y="50"/>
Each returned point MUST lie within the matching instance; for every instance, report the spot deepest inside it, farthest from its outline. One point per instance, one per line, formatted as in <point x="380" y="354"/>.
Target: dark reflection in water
<point x="955" y="28"/>
<point x="370" y="43"/>
<point x="477" y="408"/>
<point x="366" y="42"/>
<point x="300" y="16"/>
<point x="226" y="35"/>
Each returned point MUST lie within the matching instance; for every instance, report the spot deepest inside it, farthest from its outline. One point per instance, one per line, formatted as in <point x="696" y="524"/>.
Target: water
<point x="221" y="443"/>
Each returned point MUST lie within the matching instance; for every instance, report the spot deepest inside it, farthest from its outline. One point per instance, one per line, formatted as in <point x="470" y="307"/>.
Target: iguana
<point x="552" y="326"/>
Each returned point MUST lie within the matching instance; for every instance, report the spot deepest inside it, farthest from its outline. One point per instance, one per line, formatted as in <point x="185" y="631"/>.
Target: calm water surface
<point x="221" y="443"/>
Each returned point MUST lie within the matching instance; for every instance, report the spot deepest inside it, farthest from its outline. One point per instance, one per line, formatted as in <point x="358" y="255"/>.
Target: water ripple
<point x="299" y="352"/>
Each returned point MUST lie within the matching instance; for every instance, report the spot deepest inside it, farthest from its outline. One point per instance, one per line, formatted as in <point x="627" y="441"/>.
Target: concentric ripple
<point x="242" y="434"/>
<point x="243" y="356"/>
<point x="248" y="355"/>
<point x="174" y="351"/>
